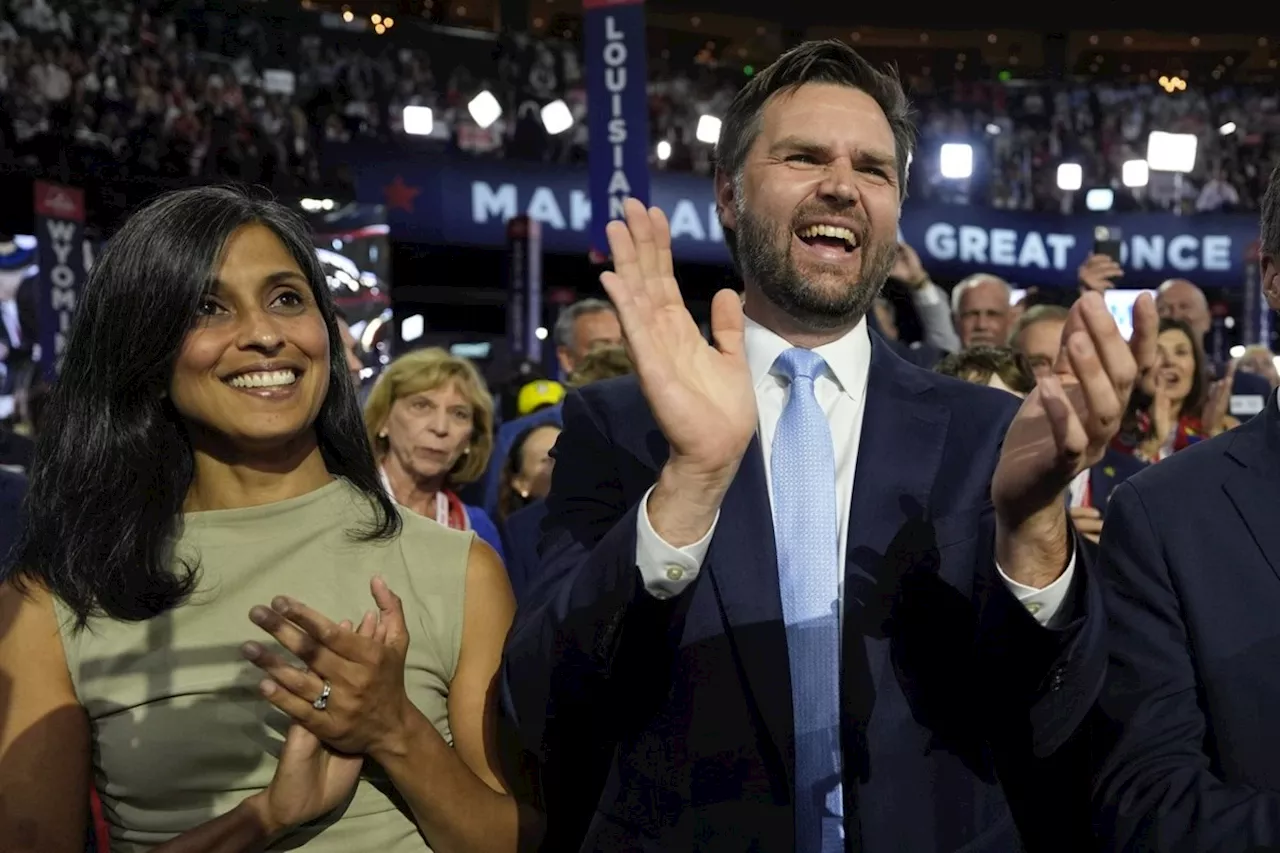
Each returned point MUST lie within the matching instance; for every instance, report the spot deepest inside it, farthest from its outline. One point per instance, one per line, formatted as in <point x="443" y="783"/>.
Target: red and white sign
<point x="59" y="202"/>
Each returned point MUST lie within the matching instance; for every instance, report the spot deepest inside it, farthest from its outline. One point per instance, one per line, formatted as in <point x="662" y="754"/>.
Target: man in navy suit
<point x="774" y="652"/>
<point x="1190" y="566"/>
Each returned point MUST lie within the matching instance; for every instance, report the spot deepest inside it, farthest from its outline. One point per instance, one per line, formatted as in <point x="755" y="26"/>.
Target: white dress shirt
<point x="1079" y="485"/>
<point x="842" y="392"/>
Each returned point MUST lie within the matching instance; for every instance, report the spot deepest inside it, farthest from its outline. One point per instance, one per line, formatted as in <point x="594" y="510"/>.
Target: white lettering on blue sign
<point x="997" y="247"/>
<point x="615" y="83"/>
<point x="63" y="279"/>
<point x="1005" y="247"/>
<point x="501" y="202"/>
<point x="1183" y="252"/>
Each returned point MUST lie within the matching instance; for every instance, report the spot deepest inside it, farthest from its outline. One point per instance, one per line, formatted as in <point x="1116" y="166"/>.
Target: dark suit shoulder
<point x="981" y="397"/>
<point x="1188" y="476"/>
<point x="618" y="404"/>
<point x="1250" y="384"/>
<point x="971" y="406"/>
<point x="1124" y="464"/>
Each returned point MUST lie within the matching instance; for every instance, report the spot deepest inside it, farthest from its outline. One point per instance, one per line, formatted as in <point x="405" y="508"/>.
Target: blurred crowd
<point x="191" y="89"/>
<point x="1022" y="131"/>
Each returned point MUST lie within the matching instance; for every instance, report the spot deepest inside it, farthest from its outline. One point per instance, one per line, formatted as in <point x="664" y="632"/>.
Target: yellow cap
<point x="535" y="395"/>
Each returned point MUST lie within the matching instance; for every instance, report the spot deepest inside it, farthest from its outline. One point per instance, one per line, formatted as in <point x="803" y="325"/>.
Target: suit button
<point x="675" y="573"/>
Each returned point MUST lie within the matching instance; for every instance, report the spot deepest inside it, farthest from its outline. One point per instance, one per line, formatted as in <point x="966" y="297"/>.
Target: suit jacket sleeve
<point x="1041" y="681"/>
<point x="587" y="633"/>
<point x="1154" y="789"/>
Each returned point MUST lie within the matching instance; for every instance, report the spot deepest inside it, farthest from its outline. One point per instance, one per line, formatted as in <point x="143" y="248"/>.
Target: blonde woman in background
<point x="430" y="421"/>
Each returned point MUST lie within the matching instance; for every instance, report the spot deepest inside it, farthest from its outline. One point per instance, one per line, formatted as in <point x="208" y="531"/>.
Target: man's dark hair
<point x="828" y="61"/>
<point x="1271" y="217"/>
<point x="979" y="364"/>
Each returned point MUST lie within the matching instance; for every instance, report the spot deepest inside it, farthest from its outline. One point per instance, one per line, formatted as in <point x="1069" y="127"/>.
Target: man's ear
<point x="1270" y="273"/>
<point x="726" y="206"/>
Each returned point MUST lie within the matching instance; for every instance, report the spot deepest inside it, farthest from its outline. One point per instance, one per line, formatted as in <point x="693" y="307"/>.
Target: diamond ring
<point x="323" y="700"/>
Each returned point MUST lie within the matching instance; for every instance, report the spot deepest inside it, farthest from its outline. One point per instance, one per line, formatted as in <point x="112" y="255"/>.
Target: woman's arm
<point x="457" y="795"/>
<point x="45" y="748"/>
<point x="44" y="733"/>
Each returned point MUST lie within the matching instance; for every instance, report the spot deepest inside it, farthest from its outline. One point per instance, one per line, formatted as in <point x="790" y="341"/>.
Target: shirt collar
<point x="848" y="358"/>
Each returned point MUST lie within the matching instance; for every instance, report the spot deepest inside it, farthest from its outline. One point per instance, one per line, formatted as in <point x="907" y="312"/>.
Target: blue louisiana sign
<point x="468" y="202"/>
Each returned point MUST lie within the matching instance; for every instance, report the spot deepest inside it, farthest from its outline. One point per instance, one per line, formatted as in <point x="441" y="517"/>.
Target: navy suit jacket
<point x="1190" y="567"/>
<point x="1114" y="468"/>
<point x="946" y="679"/>
<point x="521" y="532"/>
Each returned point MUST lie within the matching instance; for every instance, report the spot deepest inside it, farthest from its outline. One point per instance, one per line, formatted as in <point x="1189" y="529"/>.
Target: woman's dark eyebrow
<point x="279" y="277"/>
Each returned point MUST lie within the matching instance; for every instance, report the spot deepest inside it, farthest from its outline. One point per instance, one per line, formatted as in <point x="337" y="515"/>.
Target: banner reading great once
<point x="468" y="202"/>
<point x="617" y="110"/>
<point x="59" y="219"/>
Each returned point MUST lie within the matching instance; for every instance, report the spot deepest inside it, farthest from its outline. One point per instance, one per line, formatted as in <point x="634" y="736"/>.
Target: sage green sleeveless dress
<point x="181" y="734"/>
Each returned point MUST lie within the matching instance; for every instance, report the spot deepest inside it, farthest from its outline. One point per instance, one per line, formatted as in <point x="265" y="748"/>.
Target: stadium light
<point x="485" y="109"/>
<point x="1228" y="128"/>
<point x="955" y="160"/>
<point x="418" y="121"/>
<point x="1070" y="176"/>
<point x="411" y="328"/>
<point x="708" y="130"/>
<point x="556" y="117"/>
<point x="1171" y="152"/>
<point x="664" y="150"/>
<point x="1135" y="173"/>
<point x="1099" y="199"/>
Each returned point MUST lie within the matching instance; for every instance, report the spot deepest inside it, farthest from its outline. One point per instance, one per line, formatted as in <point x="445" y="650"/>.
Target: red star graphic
<point x="400" y="195"/>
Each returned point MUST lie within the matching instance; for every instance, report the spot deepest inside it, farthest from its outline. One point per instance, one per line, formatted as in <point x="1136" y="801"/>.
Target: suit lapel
<point x="742" y="564"/>
<point x="1255" y="489"/>
<point x="903" y="434"/>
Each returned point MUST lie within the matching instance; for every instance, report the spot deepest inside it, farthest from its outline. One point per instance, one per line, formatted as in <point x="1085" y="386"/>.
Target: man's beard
<point x="773" y="270"/>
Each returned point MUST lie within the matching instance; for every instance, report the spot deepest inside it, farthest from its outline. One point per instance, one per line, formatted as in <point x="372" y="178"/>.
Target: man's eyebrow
<point x="801" y="145"/>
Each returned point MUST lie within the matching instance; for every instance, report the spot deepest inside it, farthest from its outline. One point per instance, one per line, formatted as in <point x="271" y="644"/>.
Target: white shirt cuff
<point x="665" y="569"/>
<point x="1045" y="604"/>
<point x="928" y="294"/>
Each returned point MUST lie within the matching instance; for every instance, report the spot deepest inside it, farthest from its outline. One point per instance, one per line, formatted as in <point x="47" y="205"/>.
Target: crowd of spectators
<point x="1022" y="131"/>
<point x="258" y="91"/>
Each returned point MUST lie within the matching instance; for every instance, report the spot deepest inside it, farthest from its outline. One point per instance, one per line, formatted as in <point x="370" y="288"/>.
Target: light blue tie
<point x="806" y="529"/>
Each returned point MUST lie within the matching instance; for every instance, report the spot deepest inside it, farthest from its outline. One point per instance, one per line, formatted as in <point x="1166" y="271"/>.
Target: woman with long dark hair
<point x="204" y="469"/>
